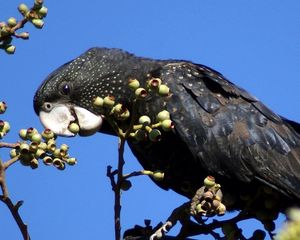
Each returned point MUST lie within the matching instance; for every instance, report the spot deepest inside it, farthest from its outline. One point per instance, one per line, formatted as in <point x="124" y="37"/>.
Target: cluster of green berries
<point x="209" y="199"/>
<point x="8" y="29"/>
<point x="4" y="125"/>
<point x="41" y="146"/>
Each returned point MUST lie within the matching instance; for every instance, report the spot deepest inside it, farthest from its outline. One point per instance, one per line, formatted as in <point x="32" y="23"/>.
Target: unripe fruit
<point x="64" y="147"/>
<point x="163" y="115"/>
<point x="43" y="146"/>
<point x="98" y="102"/>
<point x="33" y="147"/>
<point x="12" y="22"/>
<point x="3" y="107"/>
<point x="38" y="23"/>
<point x="24" y="148"/>
<point x="23" y="134"/>
<point x="158" y="175"/>
<point x="141" y="93"/>
<point x="199" y="209"/>
<point x="43" y="11"/>
<point x="30" y="132"/>
<point x="221" y="210"/>
<point x="34" y="163"/>
<point x="6" y="127"/>
<point x="56" y="153"/>
<point x="209" y="181"/>
<point x="133" y="84"/>
<point x="10" y="49"/>
<point x="208" y="195"/>
<point x="13" y="153"/>
<point x="48" y="134"/>
<point x="37" y="138"/>
<point x="163" y="90"/>
<point x="145" y="120"/>
<point x="125" y="185"/>
<point x="40" y="153"/>
<point x="109" y="101"/>
<point x="23" y="9"/>
<point x="167" y="125"/>
<point x="74" y="128"/>
<point x="154" y="83"/>
<point x="71" y="161"/>
<point x="155" y="135"/>
<point x="140" y="135"/>
<point x="47" y="160"/>
<point x="38" y="3"/>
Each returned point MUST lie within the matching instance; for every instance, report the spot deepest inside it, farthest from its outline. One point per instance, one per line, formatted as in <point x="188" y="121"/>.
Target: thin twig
<point x="8" y="145"/>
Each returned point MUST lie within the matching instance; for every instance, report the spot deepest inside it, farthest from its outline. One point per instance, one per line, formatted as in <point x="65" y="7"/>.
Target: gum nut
<point x="51" y="141"/>
<point x="13" y="153"/>
<point x="163" y="90"/>
<point x="62" y="166"/>
<point x="144" y="120"/>
<point x="133" y="84"/>
<point x="12" y="22"/>
<point x="124" y="116"/>
<point x="98" y="102"/>
<point x="37" y="138"/>
<point x="25" y="159"/>
<point x="221" y="210"/>
<point x="34" y="163"/>
<point x="71" y="161"/>
<point x="208" y="195"/>
<point x="24" y="148"/>
<point x="140" y="135"/>
<point x="43" y="11"/>
<point x="48" y="134"/>
<point x="155" y="135"/>
<point x="118" y="108"/>
<point x="199" y="209"/>
<point x="47" y="160"/>
<point x="3" y="107"/>
<point x="51" y="147"/>
<point x="40" y="153"/>
<point x="154" y="83"/>
<point x="141" y="93"/>
<point x="30" y="131"/>
<point x="38" y="3"/>
<point x="43" y="146"/>
<point x="56" y="153"/>
<point x="2" y="135"/>
<point x="6" y="127"/>
<point x="167" y="125"/>
<point x="216" y="203"/>
<point x="163" y="115"/>
<point x="158" y="175"/>
<point x="74" y="128"/>
<point x="125" y="185"/>
<point x="64" y="147"/>
<point x="23" y="134"/>
<point x="23" y="9"/>
<point x="10" y="49"/>
<point x="209" y="181"/>
<point x="57" y="162"/>
<point x="38" y="23"/>
<point x="33" y="147"/>
<point x="109" y="101"/>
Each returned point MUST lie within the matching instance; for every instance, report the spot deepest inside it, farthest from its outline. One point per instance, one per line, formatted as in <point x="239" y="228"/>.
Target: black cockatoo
<point x="219" y="128"/>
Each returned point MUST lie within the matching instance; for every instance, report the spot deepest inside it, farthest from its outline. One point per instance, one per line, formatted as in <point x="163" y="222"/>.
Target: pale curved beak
<point x="61" y="115"/>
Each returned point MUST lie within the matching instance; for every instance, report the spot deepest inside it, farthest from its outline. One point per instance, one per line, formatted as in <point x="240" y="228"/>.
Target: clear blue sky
<point x="256" y="44"/>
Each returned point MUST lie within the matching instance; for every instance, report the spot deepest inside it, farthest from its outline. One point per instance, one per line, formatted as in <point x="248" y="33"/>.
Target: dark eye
<point x="65" y="88"/>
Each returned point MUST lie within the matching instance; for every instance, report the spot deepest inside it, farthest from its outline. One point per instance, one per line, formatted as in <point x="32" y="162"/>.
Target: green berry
<point x="30" y="132"/>
<point x="6" y="127"/>
<point x="56" y="153"/>
<point x="158" y="175"/>
<point x="167" y="125"/>
<point x="38" y="23"/>
<point x="12" y="22"/>
<point x="141" y="93"/>
<point x="74" y="128"/>
<point x="33" y="147"/>
<point x="43" y="11"/>
<point x="24" y="148"/>
<point x="43" y="146"/>
<point x="71" y="161"/>
<point x="163" y="90"/>
<point x="13" y="153"/>
<point x="3" y="107"/>
<point x="40" y="153"/>
<point x="125" y="185"/>
<point x="154" y="83"/>
<point x="10" y="49"/>
<point x="37" y="138"/>
<point x="34" y="163"/>
<point x="48" y="134"/>
<point x="133" y="84"/>
<point x="209" y="181"/>
<point x="163" y="115"/>
<point x="155" y="135"/>
<point x="47" y="160"/>
<point x="59" y="164"/>
<point x="51" y="147"/>
<point x="23" y="9"/>
<point x="145" y="120"/>
<point x="38" y="3"/>
<point x="98" y="102"/>
<point x="64" y="147"/>
<point x="109" y="101"/>
<point x="140" y="135"/>
<point x="23" y="134"/>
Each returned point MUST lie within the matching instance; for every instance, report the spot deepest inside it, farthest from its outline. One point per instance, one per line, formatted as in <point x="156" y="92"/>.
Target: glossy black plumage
<point x="220" y="129"/>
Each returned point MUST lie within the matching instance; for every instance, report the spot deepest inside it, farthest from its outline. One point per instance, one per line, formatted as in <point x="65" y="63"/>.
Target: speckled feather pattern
<point x="220" y="129"/>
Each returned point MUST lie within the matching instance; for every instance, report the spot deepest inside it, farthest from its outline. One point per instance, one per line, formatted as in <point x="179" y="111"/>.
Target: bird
<point x="220" y="129"/>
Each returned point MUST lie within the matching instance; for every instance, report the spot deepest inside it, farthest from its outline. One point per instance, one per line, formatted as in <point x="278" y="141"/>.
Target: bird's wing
<point x="229" y="132"/>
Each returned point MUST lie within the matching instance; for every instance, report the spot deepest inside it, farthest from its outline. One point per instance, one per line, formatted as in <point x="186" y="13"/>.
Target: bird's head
<point x="67" y="94"/>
